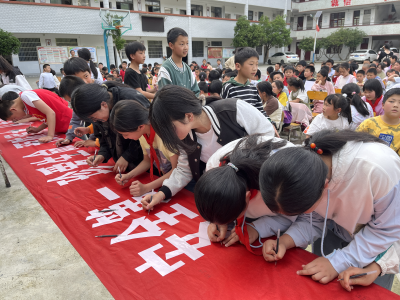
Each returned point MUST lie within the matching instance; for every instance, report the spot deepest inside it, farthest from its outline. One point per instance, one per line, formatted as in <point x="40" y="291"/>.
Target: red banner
<point x="163" y="255"/>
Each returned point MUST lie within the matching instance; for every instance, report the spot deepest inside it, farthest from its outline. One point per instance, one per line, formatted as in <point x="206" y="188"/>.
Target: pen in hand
<point x="151" y="199"/>
<point x="359" y="275"/>
<point x="277" y="242"/>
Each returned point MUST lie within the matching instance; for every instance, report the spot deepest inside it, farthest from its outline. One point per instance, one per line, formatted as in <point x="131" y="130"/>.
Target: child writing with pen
<point x="48" y="107"/>
<point x="131" y="120"/>
<point x="351" y="193"/>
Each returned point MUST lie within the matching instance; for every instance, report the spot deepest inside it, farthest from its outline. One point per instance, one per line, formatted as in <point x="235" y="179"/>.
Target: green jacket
<point x="170" y="74"/>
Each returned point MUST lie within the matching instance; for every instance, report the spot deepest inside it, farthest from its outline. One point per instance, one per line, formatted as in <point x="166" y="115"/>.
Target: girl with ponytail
<point x="360" y="110"/>
<point x="336" y="114"/>
<point x="93" y="103"/>
<point x="350" y="179"/>
<point x="131" y="120"/>
<point x="229" y="190"/>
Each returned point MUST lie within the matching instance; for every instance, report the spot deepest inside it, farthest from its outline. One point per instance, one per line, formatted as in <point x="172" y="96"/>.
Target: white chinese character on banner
<point x="29" y="140"/>
<point x="49" y="152"/>
<point x="151" y="226"/>
<point x="63" y="167"/>
<point x="81" y="175"/>
<point x="163" y="268"/>
<point x="61" y="158"/>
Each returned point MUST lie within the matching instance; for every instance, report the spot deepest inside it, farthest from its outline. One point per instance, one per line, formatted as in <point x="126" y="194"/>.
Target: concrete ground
<point x="36" y="260"/>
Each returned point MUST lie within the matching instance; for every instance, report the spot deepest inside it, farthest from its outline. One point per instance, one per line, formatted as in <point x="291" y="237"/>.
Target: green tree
<point x="348" y="37"/>
<point x="9" y="44"/>
<point x="119" y="42"/>
<point x="307" y="44"/>
<point x="247" y="34"/>
<point x="275" y="33"/>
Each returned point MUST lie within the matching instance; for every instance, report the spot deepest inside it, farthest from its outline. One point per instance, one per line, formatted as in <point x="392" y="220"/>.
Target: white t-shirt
<point x="302" y="95"/>
<point x="320" y="123"/>
<point x="359" y="118"/>
<point x="11" y="88"/>
<point x="209" y="143"/>
<point x="342" y="81"/>
<point x="28" y="97"/>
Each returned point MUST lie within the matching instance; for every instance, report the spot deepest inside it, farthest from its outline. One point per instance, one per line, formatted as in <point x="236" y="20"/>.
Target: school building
<point x="77" y="23"/>
<point x="380" y="19"/>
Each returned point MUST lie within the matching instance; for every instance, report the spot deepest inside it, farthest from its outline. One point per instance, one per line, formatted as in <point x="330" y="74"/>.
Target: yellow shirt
<point x="388" y="133"/>
<point x="162" y="153"/>
<point x="283" y="98"/>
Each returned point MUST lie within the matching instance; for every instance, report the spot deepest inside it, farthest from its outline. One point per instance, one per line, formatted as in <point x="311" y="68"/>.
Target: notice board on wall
<point x="52" y="55"/>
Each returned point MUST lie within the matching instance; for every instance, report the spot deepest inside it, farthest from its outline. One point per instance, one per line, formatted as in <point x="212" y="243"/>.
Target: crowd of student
<point x="214" y="132"/>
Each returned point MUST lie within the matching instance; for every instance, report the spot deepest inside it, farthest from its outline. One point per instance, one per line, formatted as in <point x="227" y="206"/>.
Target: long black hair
<point x="75" y="65"/>
<point x="128" y="115"/>
<point x="220" y="193"/>
<point x="265" y="86"/>
<point x="5" y="66"/>
<point x="85" y="54"/>
<point x="293" y="179"/>
<point x="339" y="101"/>
<point x="353" y="90"/>
<point x="68" y="84"/>
<point x="296" y="82"/>
<point x="202" y="76"/>
<point x="171" y="103"/>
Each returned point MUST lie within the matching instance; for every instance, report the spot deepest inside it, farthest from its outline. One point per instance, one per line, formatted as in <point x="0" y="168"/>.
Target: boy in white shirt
<point x="46" y="80"/>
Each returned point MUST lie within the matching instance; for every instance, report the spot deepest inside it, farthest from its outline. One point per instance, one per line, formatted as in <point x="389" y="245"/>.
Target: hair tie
<point x="105" y="86"/>
<point x="353" y="93"/>
<point x="315" y="148"/>
<point x="233" y="166"/>
<point x="344" y="95"/>
<point x="297" y="78"/>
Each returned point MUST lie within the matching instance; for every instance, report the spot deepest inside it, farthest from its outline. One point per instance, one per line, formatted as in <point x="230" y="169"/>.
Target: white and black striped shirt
<point x="246" y="93"/>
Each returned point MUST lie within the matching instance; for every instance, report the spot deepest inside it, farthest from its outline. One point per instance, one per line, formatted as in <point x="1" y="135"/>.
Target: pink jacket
<point x="327" y="87"/>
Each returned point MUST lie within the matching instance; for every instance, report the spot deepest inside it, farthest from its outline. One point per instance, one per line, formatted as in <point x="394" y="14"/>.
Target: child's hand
<point x="99" y="159"/>
<point x="269" y="253"/>
<point x="80" y="131"/>
<point x="321" y="270"/>
<point x="31" y="129"/>
<point x="62" y="142"/>
<point x="138" y="189"/>
<point x="122" y="164"/>
<point x="216" y="233"/>
<point x="348" y="284"/>
<point x="157" y="198"/>
<point x="46" y="139"/>
<point x="121" y="180"/>
<point x="87" y="143"/>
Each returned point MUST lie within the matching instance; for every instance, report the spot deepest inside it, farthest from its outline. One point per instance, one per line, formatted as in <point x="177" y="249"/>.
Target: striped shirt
<point x="247" y="93"/>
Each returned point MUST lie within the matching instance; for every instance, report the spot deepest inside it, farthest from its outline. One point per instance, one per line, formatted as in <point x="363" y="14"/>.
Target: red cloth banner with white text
<point x="163" y="255"/>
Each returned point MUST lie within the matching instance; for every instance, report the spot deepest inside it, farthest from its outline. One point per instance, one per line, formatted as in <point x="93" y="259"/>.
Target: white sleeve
<point x="303" y="96"/>
<point x="314" y="126"/>
<point x="268" y="225"/>
<point x="29" y="97"/>
<point x="179" y="177"/>
<point x="21" y="81"/>
<point x="252" y="120"/>
<point x="41" y="81"/>
<point x="389" y="261"/>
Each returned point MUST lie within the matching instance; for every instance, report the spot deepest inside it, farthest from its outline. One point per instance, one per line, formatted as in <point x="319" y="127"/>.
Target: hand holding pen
<point x="356" y="276"/>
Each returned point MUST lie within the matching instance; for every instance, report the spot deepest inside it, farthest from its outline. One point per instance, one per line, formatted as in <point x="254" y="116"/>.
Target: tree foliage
<point x="275" y="33"/>
<point x="307" y="44"/>
<point x="247" y="34"/>
<point x="119" y="42"/>
<point x="9" y="44"/>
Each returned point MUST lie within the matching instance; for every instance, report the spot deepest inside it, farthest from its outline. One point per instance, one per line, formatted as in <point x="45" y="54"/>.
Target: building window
<point x="66" y="42"/>
<point x="367" y="17"/>
<point x="320" y="21"/>
<point x="216" y="44"/>
<point x="227" y="16"/>
<point x="216" y="12"/>
<point x="83" y="2"/>
<point x="260" y="15"/>
<point x="125" y="5"/>
<point x="27" y="51"/>
<point x="356" y="18"/>
<point x="168" y="10"/>
<point x="337" y="19"/>
<point x="154" y="49"/>
<point x="182" y="12"/>
<point x="259" y="50"/>
<point x="65" y="2"/>
<point x="250" y="15"/>
<point x="197" y="10"/>
<point x="238" y="16"/>
<point x="152" y="6"/>
<point x="309" y="23"/>
<point x="198" y="48"/>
